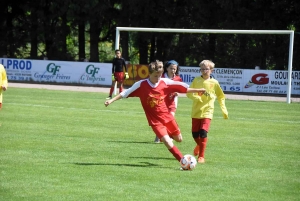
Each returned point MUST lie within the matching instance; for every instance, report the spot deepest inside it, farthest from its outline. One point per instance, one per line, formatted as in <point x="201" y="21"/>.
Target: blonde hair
<point x="156" y="66"/>
<point x="207" y="63"/>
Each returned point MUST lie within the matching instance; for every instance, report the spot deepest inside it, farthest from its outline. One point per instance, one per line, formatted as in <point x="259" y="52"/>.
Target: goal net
<point x="219" y="31"/>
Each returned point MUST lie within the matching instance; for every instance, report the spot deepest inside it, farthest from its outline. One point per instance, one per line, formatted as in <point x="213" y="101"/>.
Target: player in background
<point x="203" y="106"/>
<point x="117" y="73"/>
<point x="3" y="83"/>
<point x="152" y="93"/>
<point x="171" y="71"/>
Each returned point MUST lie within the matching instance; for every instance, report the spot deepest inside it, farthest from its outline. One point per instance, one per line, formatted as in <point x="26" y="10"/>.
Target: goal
<point x="220" y="31"/>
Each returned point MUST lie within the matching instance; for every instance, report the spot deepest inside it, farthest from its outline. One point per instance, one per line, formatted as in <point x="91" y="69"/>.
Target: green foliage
<point x="60" y="145"/>
<point x="56" y="25"/>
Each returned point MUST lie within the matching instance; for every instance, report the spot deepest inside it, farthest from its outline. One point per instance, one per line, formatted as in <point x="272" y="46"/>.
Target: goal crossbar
<point x="220" y="31"/>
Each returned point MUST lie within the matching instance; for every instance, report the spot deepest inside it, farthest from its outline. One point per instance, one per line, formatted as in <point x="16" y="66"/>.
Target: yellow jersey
<point x="203" y="106"/>
<point x="3" y="77"/>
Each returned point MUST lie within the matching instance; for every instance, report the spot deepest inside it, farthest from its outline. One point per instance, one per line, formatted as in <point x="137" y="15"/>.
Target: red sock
<point x="120" y="89"/>
<point x="197" y="140"/>
<point x="176" y="153"/>
<point x="202" y="146"/>
<point x="111" y="91"/>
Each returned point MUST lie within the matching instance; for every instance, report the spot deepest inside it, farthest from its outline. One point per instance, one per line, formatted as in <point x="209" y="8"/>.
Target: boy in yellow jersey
<point x="203" y="106"/>
<point x="3" y="82"/>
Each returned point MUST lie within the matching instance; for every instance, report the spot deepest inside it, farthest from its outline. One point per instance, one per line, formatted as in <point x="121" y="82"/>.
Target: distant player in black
<point x="117" y="73"/>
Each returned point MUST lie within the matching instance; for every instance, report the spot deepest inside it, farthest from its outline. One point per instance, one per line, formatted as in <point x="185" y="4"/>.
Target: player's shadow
<point x="154" y="158"/>
<point x="143" y="164"/>
<point x="134" y="142"/>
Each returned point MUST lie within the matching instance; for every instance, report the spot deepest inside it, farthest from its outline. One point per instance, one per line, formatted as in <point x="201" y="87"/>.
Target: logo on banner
<point x="92" y="70"/>
<point x="52" y="68"/>
<point x="52" y="74"/>
<point x="259" y="79"/>
<point x="91" y="73"/>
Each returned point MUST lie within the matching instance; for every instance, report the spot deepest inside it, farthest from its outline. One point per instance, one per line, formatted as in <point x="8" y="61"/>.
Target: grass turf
<point x="61" y="145"/>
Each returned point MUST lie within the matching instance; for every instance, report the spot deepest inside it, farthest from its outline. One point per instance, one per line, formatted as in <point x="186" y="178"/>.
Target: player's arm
<point x="126" y="70"/>
<point x="132" y="91"/>
<point x="178" y="78"/>
<point x="113" y="70"/>
<point x="199" y="91"/>
<point x="182" y="87"/>
<point x="124" y="64"/>
<point x="108" y="102"/>
<point x="113" y="66"/>
<point x="194" y="96"/>
<point x="221" y="99"/>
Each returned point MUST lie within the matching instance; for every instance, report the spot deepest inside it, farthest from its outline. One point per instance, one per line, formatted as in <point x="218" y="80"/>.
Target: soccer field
<point x="66" y="145"/>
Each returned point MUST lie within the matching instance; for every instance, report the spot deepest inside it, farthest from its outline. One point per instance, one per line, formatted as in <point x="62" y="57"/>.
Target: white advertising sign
<point x="245" y="80"/>
<point x="57" y="71"/>
<point x="231" y="80"/>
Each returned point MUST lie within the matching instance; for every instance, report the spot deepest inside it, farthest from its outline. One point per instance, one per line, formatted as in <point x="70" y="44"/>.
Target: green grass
<point x="61" y="145"/>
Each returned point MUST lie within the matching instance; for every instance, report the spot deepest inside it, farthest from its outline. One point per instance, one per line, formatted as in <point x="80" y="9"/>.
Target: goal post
<point x="221" y="31"/>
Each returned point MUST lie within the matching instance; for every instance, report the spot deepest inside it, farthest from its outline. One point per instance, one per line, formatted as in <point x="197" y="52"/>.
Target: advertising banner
<point x="246" y="80"/>
<point x="92" y="73"/>
<point x="57" y="71"/>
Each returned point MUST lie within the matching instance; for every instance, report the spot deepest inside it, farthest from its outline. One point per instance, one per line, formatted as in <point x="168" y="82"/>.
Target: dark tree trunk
<point x="124" y="45"/>
<point x="3" y="24"/>
<point x="143" y="48"/>
<point x="81" y="40"/>
<point x="33" y="35"/>
<point x="153" y="48"/>
<point x="94" y="40"/>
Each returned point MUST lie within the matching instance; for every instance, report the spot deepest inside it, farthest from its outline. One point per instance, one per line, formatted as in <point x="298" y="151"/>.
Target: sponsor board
<point x="57" y="71"/>
<point x="231" y="80"/>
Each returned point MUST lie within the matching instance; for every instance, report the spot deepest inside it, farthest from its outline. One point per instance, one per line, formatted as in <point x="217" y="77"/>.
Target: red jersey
<point x="175" y="78"/>
<point x="171" y="100"/>
<point x="152" y="97"/>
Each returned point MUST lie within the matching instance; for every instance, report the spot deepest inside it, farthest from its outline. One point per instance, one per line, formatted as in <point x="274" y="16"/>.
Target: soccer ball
<point x="188" y="162"/>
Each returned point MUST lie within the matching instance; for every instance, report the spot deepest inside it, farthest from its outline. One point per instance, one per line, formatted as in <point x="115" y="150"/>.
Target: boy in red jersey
<point x="3" y="83"/>
<point x="152" y="93"/>
<point x="117" y="73"/>
<point x="203" y="106"/>
<point x="171" y="71"/>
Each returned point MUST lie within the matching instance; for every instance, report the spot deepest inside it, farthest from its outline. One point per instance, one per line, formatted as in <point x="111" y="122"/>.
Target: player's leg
<point x="121" y="87"/>
<point x="202" y="145"/>
<point x="200" y="129"/>
<point x="174" y="131"/>
<point x="157" y="140"/>
<point x="196" y="125"/>
<point x="120" y="78"/>
<point x="172" y="111"/>
<point x="162" y="133"/>
<point x="111" y="89"/>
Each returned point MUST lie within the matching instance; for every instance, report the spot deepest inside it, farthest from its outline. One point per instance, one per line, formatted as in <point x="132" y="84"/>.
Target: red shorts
<point x="170" y="128"/>
<point x="198" y="124"/>
<point x="119" y="76"/>
<point x="172" y="109"/>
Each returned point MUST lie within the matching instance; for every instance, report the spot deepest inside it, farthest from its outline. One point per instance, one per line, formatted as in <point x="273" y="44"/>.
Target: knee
<point x="177" y="138"/>
<point x="202" y="134"/>
<point x="195" y="134"/>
